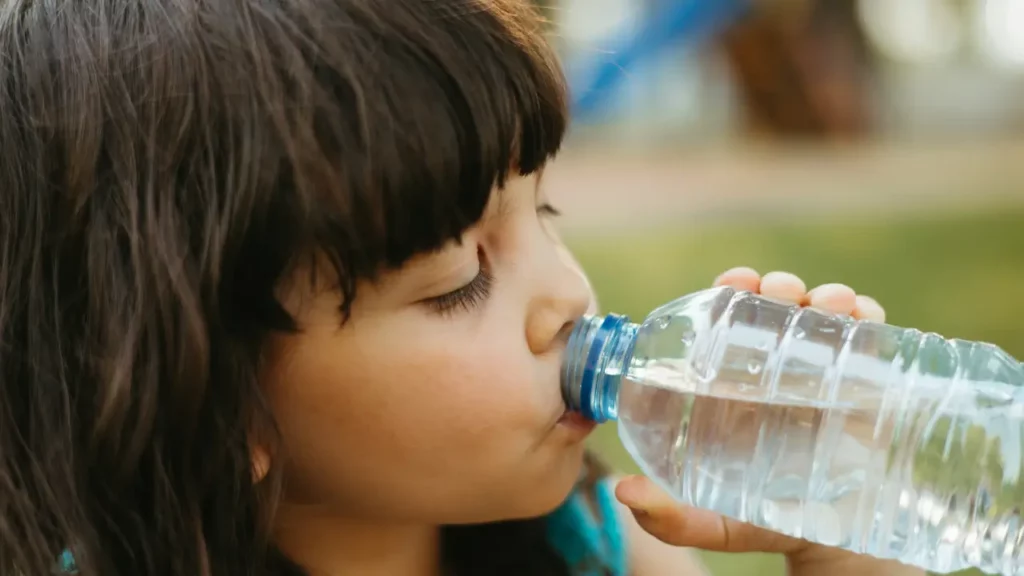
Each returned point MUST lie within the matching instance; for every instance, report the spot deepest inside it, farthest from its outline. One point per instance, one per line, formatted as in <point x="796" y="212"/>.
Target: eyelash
<point x="546" y="209"/>
<point x="476" y="292"/>
<point x="467" y="297"/>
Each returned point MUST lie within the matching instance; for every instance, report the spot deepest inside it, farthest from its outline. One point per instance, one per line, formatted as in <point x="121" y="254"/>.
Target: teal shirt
<point x="592" y="541"/>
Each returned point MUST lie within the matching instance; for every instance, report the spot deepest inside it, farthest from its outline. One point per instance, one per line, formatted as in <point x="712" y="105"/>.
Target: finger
<point x="834" y="298"/>
<point x="826" y="560"/>
<point x="868" y="308"/>
<point x="740" y="279"/>
<point x="783" y="286"/>
<point x="678" y="525"/>
<point x="656" y="512"/>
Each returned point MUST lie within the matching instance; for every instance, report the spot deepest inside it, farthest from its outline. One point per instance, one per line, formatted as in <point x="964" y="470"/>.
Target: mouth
<point x="577" y="422"/>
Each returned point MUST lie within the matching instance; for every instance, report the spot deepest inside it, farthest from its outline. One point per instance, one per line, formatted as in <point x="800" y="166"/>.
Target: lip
<point x="577" y="423"/>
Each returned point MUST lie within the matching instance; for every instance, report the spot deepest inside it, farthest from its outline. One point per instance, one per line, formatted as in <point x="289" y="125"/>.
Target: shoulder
<point x="598" y="535"/>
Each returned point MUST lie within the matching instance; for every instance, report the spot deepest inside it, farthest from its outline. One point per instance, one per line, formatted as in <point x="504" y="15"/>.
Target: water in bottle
<point x="882" y="440"/>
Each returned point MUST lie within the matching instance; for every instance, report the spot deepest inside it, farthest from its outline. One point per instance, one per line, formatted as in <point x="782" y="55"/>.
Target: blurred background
<point x="878" y="143"/>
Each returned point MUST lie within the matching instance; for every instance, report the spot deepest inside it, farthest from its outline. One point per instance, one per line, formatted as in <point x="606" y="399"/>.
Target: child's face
<point x="405" y="413"/>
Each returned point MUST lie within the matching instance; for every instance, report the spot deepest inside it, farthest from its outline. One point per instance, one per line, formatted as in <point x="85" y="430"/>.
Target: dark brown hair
<point x="163" y="163"/>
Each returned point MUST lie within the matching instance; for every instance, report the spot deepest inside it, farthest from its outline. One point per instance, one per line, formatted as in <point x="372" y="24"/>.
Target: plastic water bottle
<point x="882" y="440"/>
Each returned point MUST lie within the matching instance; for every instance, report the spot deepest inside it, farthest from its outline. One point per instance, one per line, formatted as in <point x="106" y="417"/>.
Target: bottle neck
<point x="596" y="357"/>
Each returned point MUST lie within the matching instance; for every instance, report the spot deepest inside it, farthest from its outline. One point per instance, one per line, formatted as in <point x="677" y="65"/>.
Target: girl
<point x="279" y="295"/>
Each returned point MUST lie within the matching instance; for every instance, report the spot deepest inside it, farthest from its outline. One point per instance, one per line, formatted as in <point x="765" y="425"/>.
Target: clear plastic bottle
<point x="882" y="440"/>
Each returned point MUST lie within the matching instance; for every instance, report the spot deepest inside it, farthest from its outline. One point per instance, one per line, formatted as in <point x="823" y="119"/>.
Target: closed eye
<point x="547" y="209"/>
<point x="465" y="298"/>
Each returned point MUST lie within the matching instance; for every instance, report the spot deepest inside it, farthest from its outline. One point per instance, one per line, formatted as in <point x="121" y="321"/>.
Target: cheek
<point x="463" y="389"/>
<point x="412" y="414"/>
<point x="408" y="378"/>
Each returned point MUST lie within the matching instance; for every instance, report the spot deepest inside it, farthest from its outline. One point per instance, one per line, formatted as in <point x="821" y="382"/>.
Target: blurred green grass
<point x="958" y="275"/>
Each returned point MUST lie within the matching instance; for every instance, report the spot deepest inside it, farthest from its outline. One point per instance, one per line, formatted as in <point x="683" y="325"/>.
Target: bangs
<point x="257" y="133"/>
<point x="419" y="110"/>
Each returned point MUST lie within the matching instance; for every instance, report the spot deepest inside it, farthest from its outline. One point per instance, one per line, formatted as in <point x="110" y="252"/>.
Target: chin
<point x="550" y="490"/>
<point x="520" y="497"/>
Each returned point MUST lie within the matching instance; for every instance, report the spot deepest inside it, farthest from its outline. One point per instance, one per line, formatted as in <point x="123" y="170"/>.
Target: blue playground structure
<point x="679" y="22"/>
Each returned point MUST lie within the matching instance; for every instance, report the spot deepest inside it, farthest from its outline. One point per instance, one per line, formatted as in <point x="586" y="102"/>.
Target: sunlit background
<point x="878" y="143"/>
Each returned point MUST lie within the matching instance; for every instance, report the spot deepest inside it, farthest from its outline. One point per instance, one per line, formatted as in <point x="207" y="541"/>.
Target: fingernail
<point x="738" y="271"/>
<point x="828" y="290"/>
<point x="870" y="308"/>
<point x="833" y="297"/>
<point x="784" y="286"/>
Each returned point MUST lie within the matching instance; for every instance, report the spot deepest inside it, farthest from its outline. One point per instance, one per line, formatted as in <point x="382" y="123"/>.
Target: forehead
<point x="518" y="190"/>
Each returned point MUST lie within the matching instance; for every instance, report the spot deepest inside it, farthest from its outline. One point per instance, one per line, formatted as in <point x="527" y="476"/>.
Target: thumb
<point x="680" y="525"/>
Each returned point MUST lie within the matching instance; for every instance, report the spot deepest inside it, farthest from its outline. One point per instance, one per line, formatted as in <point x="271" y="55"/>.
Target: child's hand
<point x="835" y="298"/>
<point x="670" y="522"/>
<point x="673" y="523"/>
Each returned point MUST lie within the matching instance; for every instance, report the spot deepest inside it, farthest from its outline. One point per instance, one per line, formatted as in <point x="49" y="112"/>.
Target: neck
<point x="327" y="545"/>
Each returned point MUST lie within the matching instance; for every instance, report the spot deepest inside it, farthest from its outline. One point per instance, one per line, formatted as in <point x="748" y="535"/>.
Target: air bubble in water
<point x="663" y="322"/>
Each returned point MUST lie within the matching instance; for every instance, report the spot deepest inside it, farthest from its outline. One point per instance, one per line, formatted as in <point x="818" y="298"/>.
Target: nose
<point x="564" y="295"/>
